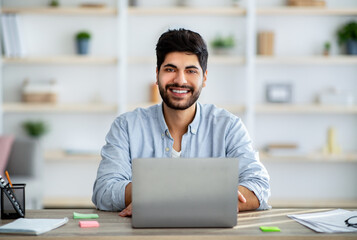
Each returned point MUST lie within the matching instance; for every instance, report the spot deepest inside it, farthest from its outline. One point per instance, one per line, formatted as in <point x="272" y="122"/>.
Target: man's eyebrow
<point x="174" y="66"/>
<point x="191" y="66"/>
<point x="170" y="65"/>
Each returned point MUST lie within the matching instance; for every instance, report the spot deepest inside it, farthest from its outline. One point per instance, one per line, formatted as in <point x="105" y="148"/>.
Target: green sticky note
<point x="269" y="229"/>
<point x="84" y="216"/>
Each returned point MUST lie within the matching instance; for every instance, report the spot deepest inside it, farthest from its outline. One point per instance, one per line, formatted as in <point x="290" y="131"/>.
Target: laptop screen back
<point x="179" y="192"/>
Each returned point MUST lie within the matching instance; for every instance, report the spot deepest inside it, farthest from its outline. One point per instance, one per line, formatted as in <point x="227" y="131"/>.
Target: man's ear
<point x="204" y="79"/>
<point x="157" y="76"/>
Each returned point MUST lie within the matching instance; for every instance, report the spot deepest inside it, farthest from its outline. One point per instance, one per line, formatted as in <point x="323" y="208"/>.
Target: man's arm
<point x="127" y="212"/>
<point x="128" y="194"/>
<point x="114" y="171"/>
<point x="253" y="177"/>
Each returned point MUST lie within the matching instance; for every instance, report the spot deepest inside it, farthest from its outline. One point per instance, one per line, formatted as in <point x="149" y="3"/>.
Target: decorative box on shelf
<point x="39" y="91"/>
<point x="307" y="3"/>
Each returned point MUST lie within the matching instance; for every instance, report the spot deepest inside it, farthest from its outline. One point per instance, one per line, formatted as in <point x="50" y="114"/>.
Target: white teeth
<point x="180" y="91"/>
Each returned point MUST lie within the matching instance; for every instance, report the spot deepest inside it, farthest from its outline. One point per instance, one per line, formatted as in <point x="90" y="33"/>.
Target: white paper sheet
<point x="326" y="222"/>
<point x="29" y="226"/>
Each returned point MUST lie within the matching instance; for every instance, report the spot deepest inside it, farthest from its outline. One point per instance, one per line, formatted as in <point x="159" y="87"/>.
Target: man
<point x="179" y="127"/>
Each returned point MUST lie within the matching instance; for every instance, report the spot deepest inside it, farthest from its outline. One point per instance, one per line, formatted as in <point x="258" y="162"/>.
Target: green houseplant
<point x="222" y="45"/>
<point x="327" y="48"/>
<point x="35" y="128"/>
<point x="54" y="3"/>
<point x="82" y="42"/>
<point x="347" y="34"/>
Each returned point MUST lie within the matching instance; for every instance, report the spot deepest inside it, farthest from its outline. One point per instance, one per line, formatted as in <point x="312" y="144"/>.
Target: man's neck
<point x="178" y="120"/>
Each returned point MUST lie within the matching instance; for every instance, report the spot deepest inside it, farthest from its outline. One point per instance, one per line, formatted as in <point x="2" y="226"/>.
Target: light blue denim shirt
<point x="143" y="133"/>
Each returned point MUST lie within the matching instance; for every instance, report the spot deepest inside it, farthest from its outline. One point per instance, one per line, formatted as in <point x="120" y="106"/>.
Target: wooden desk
<point x="114" y="227"/>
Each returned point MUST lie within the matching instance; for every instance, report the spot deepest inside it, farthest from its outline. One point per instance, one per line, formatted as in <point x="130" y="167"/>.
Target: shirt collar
<point x="161" y="118"/>
<point x="193" y="126"/>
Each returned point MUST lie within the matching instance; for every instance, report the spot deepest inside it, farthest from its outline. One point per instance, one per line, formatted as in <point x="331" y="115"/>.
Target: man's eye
<point x="192" y="71"/>
<point x="169" y="70"/>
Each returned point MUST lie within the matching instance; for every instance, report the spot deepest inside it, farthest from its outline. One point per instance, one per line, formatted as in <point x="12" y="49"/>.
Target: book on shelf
<point x="13" y="41"/>
<point x="6" y="35"/>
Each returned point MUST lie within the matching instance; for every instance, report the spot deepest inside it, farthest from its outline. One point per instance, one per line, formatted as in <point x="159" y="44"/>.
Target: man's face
<point x="180" y="80"/>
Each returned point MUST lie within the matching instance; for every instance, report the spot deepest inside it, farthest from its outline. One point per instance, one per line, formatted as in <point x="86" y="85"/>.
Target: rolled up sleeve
<point x="255" y="177"/>
<point x="114" y="171"/>
<point x="252" y="173"/>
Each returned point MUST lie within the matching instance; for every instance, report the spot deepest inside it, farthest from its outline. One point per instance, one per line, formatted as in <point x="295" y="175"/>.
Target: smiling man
<point x="178" y="127"/>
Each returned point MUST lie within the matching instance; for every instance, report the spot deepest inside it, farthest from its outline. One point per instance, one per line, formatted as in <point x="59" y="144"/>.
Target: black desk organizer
<point x="12" y="200"/>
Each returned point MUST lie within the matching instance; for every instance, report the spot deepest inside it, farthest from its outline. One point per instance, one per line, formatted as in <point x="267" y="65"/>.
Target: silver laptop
<point x="184" y="192"/>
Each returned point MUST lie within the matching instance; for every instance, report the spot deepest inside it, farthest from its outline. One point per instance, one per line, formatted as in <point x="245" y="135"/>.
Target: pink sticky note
<point x="88" y="224"/>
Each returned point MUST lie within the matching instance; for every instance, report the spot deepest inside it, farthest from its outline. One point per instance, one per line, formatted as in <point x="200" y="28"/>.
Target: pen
<point x="8" y="178"/>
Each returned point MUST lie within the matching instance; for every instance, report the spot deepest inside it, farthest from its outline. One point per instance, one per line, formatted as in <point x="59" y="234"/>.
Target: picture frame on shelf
<point x="278" y="93"/>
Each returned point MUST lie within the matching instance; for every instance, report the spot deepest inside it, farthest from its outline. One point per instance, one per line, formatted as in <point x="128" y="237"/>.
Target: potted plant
<point x="347" y="34"/>
<point x="223" y="45"/>
<point x="327" y="48"/>
<point x="54" y="3"/>
<point x="35" y="129"/>
<point x="82" y="42"/>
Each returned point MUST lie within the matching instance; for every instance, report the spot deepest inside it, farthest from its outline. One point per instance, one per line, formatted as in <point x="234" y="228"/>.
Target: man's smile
<point x="179" y="91"/>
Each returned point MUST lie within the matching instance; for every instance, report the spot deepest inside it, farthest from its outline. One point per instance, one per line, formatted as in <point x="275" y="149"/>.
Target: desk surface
<point x="114" y="227"/>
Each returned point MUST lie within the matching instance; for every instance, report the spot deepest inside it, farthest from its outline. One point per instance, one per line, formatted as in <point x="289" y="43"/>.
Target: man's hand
<point x="241" y="199"/>
<point x="126" y="212"/>
<point x="246" y="199"/>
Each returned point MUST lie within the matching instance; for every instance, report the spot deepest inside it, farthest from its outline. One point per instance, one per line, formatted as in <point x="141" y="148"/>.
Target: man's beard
<point x="179" y="106"/>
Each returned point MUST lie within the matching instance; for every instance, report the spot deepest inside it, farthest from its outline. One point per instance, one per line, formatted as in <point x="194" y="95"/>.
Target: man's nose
<point x="180" y="78"/>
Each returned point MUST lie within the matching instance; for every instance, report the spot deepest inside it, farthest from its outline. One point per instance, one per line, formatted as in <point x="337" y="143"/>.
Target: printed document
<point x="327" y="222"/>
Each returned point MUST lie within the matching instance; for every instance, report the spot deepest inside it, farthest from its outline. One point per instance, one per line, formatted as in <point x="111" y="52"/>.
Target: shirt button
<point x="162" y="135"/>
<point x="167" y="133"/>
<point x="167" y="149"/>
<point x="193" y="130"/>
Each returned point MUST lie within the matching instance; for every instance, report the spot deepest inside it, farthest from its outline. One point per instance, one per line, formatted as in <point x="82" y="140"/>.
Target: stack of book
<point x="307" y="3"/>
<point x="13" y="44"/>
<point x="266" y="43"/>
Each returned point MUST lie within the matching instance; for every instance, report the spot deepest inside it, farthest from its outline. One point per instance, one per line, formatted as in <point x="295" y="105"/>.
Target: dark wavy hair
<point x="181" y="40"/>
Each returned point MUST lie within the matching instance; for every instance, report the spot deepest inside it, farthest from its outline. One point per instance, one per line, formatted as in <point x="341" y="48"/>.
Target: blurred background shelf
<point x="306" y="109"/>
<point x="59" y="108"/>
<point x="286" y="10"/>
<point x="226" y="11"/>
<point x="306" y="60"/>
<point x="313" y="157"/>
<point x="95" y="11"/>
<point x="75" y="59"/>
<point x="63" y="155"/>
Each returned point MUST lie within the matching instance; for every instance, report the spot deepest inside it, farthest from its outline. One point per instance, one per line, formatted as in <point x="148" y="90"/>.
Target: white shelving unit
<point x="61" y="60"/>
<point x="60" y="64"/>
<point x="244" y="65"/>
<point x="307" y="171"/>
